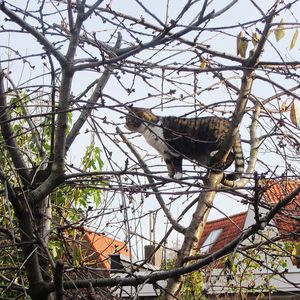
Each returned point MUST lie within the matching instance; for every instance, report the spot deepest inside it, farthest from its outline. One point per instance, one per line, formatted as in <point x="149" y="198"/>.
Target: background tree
<point x="58" y="123"/>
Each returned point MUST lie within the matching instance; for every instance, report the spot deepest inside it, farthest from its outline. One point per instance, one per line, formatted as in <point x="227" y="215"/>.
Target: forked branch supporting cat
<point x="176" y="138"/>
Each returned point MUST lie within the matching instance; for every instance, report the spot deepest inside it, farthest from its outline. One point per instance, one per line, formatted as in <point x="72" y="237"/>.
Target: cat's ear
<point x="129" y="107"/>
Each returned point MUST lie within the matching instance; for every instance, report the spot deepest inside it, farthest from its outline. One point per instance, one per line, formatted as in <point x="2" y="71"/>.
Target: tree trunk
<point x="194" y="231"/>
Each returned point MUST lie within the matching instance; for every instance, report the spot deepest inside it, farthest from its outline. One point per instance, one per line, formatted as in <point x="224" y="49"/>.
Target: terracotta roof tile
<point x="287" y="220"/>
<point x="105" y="246"/>
<point x="231" y="227"/>
<point x="276" y="190"/>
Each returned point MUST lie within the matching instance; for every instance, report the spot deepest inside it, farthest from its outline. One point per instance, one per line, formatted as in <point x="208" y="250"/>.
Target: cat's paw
<point x="213" y="153"/>
<point x="178" y="175"/>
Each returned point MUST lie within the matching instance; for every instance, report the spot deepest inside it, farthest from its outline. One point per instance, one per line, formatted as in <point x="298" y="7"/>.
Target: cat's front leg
<point x="177" y="163"/>
<point x="170" y="167"/>
<point x="174" y="165"/>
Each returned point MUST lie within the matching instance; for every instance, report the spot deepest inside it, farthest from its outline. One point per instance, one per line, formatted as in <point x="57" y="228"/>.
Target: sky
<point x="208" y="88"/>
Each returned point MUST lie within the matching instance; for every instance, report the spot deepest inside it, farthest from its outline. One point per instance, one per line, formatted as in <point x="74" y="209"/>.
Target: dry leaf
<point x="241" y="44"/>
<point x="280" y="31"/>
<point x="203" y="64"/>
<point x="283" y="106"/>
<point x="294" y="39"/>
<point x="255" y="38"/>
<point x="295" y="253"/>
<point x="295" y="113"/>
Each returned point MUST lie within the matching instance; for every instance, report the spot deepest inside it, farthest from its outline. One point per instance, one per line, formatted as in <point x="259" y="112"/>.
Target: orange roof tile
<point x="105" y="246"/>
<point x="231" y="227"/>
<point x="276" y="190"/>
<point x="288" y="219"/>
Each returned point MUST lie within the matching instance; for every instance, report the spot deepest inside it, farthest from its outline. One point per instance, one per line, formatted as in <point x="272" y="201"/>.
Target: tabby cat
<point x="176" y="138"/>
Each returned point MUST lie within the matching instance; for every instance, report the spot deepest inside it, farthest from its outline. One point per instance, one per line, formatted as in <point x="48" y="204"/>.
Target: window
<point x="211" y="240"/>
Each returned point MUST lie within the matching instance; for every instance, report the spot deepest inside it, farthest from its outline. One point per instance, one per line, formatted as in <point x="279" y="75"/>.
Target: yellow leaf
<point x="241" y="44"/>
<point x="280" y="31"/>
<point x="296" y="255"/>
<point x="255" y="38"/>
<point x="283" y="106"/>
<point x="294" y="39"/>
<point x="203" y="64"/>
<point x="295" y="113"/>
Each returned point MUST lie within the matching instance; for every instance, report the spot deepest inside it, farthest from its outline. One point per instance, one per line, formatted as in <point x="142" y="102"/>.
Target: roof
<point x="121" y="261"/>
<point x="227" y="229"/>
<point x="277" y="190"/>
<point x="230" y="227"/>
<point x="288" y="219"/>
<point x="105" y="245"/>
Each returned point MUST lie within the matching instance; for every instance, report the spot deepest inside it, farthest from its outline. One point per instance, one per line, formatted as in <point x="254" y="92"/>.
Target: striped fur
<point x="176" y="138"/>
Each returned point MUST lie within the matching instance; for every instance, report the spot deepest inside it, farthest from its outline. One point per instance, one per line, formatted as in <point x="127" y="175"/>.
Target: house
<point x="99" y="255"/>
<point x="122" y="265"/>
<point x="103" y="246"/>
<point x="88" y="256"/>
<point x="240" y="276"/>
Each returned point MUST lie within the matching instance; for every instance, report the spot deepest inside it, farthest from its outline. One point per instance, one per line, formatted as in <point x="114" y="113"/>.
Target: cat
<point x="176" y="138"/>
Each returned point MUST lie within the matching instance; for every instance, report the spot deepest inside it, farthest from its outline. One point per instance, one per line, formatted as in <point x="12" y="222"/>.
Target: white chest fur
<point x="155" y="137"/>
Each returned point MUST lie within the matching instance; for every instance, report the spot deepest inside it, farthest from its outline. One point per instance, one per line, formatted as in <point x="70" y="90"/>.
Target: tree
<point x="68" y="60"/>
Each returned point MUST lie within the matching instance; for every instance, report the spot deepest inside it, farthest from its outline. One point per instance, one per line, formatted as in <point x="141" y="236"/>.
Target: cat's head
<point x="138" y="117"/>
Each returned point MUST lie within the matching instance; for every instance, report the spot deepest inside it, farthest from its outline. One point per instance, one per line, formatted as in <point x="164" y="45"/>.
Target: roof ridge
<point x="227" y="217"/>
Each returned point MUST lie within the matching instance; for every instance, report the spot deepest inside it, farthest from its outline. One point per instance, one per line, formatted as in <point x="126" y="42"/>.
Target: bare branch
<point x="35" y="133"/>
<point x="245" y="91"/>
<point x="160" y="200"/>
<point x="93" y="100"/>
<point x="58" y="280"/>
<point x="161" y="275"/>
<point x="41" y="39"/>
<point x="194" y="230"/>
<point x="8" y="135"/>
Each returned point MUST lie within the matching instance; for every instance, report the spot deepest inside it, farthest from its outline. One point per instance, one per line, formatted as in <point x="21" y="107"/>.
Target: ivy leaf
<point x="280" y="31"/>
<point x="294" y="39"/>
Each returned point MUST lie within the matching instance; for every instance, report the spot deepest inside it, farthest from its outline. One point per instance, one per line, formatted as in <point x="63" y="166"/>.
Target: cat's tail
<point x="238" y="159"/>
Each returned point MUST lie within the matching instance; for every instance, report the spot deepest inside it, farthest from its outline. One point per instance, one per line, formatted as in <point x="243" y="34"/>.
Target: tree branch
<point x="41" y="39"/>
<point x="35" y="134"/>
<point x="195" y="230"/>
<point x="8" y="135"/>
<point x="159" y="198"/>
<point x="254" y="144"/>
<point x="102" y="81"/>
<point x="129" y="51"/>
<point x="162" y="275"/>
<point x="245" y="90"/>
<point x="58" y="280"/>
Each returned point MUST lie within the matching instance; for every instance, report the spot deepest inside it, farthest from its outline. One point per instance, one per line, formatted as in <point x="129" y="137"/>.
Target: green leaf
<point x="294" y="39"/>
<point x="280" y="31"/>
<point x="70" y="117"/>
<point x="97" y="157"/>
<point x="97" y="197"/>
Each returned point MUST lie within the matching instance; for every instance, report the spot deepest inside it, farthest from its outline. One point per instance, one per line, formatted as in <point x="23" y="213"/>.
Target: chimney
<point x="156" y="258"/>
<point x="115" y="262"/>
